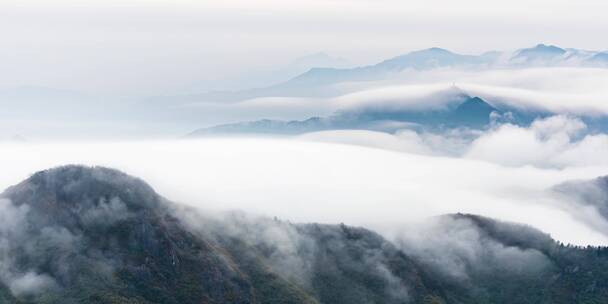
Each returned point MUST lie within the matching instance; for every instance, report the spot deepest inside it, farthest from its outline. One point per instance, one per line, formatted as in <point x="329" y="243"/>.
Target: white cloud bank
<point x="554" y="142"/>
<point x="560" y="89"/>
<point x="309" y="181"/>
<point x="565" y="90"/>
<point x="558" y="141"/>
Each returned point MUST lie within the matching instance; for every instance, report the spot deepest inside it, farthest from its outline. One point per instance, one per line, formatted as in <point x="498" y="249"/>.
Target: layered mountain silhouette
<point x="541" y="54"/>
<point x="328" y="79"/>
<point x="78" y="234"/>
<point x="457" y="110"/>
<point x="433" y="58"/>
<point x="320" y="81"/>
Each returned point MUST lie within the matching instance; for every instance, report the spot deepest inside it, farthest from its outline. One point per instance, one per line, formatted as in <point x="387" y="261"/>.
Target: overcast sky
<point x="151" y="47"/>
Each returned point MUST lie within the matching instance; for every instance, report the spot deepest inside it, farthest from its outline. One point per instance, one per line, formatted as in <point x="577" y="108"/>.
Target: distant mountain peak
<point x="427" y="59"/>
<point x="430" y="52"/>
<point x="542" y="46"/>
<point x="435" y="50"/>
<point x="540" y="53"/>
<point x="85" y="183"/>
<point x="475" y="102"/>
<point x="601" y="58"/>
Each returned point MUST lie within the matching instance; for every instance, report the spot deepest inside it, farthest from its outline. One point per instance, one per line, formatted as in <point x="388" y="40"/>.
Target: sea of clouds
<point x="309" y="181"/>
<point x="377" y="180"/>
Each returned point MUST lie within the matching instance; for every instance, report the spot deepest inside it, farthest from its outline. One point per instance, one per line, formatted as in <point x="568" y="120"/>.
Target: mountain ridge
<point x="458" y="110"/>
<point x="321" y="81"/>
<point x="96" y="235"/>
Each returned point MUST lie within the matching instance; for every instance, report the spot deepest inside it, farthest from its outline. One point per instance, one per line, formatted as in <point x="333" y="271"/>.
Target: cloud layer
<point x="554" y="142"/>
<point x="324" y="182"/>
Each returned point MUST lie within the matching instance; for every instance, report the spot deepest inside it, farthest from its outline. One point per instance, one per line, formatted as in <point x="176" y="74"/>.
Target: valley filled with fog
<point x="305" y="152"/>
<point x="375" y="150"/>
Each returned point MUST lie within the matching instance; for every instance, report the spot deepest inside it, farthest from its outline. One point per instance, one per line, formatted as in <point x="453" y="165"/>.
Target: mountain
<point x="550" y="55"/>
<point x="320" y="80"/>
<point x="327" y="70"/>
<point x="78" y="234"/>
<point x="586" y="193"/>
<point x="95" y="235"/>
<point x="433" y="58"/>
<point x="540" y="54"/>
<point x="267" y="126"/>
<point x="333" y="263"/>
<point x="455" y="110"/>
<point x="500" y="262"/>
<point x="599" y="59"/>
<point x="418" y="60"/>
<point x="428" y="59"/>
<point x="461" y="111"/>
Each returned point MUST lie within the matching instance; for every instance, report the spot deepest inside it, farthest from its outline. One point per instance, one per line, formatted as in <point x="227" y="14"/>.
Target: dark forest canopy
<point x="95" y="235"/>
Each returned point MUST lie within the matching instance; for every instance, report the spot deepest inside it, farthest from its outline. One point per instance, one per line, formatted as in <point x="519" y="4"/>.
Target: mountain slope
<point x="481" y="260"/>
<point x="600" y="59"/>
<point x="100" y="236"/>
<point x="456" y="111"/>
<point x="540" y="54"/>
<point x="418" y="60"/>
<point x="93" y="235"/>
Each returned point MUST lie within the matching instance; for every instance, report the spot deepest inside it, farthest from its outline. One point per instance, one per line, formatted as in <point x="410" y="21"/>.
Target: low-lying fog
<point x="378" y="180"/>
<point x="304" y="180"/>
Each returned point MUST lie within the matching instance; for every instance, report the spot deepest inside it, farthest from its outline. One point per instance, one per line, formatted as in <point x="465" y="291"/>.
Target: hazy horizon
<point x="303" y="152"/>
<point x="143" y="48"/>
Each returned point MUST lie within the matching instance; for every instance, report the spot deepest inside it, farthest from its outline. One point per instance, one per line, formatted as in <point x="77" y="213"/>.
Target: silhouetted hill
<point x="540" y="54"/>
<point x="456" y="111"/>
<point x="481" y="260"/>
<point x="599" y="58"/>
<point x="95" y="235"/>
<point x="77" y="234"/>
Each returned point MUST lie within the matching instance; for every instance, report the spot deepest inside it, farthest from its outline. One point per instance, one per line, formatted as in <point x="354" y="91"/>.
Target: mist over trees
<point x="74" y="234"/>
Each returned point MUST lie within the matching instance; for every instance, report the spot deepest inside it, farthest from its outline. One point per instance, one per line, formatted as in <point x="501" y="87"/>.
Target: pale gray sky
<point x="151" y="47"/>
